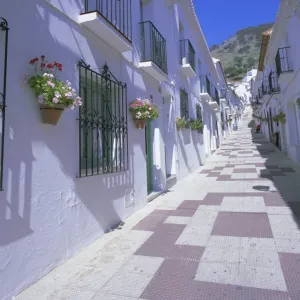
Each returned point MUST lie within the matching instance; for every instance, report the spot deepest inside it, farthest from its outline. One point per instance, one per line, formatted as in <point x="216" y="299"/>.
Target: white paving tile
<point x="178" y="220"/>
<point x="288" y="245"/>
<point x="127" y="284"/>
<point x="264" y="278"/>
<point x="243" y="204"/>
<point x="259" y="252"/>
<point x="284" y="226"/>
<point x="142" y="264"/>
<point x="224" y="273"/>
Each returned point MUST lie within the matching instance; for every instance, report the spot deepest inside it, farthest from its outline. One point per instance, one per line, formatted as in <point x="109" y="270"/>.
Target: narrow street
<point x="226" y="232"/>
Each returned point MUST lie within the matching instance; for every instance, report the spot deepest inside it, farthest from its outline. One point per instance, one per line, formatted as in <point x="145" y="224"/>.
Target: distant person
<point x="258" y="128"/>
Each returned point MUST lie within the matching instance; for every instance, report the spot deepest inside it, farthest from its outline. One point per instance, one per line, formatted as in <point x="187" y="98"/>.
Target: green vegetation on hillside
<point x="240" y="53"/>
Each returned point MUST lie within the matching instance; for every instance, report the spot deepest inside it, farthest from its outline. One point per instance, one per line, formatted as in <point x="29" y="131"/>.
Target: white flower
<point x="49" y="75"/>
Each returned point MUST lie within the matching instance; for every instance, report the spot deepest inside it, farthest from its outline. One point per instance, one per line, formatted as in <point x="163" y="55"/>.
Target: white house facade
<point x="65" y="185"/>
<point x="276" y="87"/>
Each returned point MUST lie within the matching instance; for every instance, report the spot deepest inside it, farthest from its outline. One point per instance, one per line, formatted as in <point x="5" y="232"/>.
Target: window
<point x="184" y="105"/>
<point x="102" y="122"/>
<point x="198" y="112"/>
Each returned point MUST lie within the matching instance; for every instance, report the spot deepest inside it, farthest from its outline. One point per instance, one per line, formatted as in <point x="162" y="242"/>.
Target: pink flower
<point x="55" y="100"/>
<point x="41" y="99"/>
<point x="50" y="83"/>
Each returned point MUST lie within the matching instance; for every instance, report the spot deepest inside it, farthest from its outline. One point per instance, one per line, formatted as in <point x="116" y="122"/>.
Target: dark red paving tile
<point x="290" y="265"/>
<point x="249" y="170"/>
<point x="242" y="224"/>
<point x="205" y="171"/>
<point x="181" y="288"/>
<point x="213" y="199"/>
<point x="213" y="174"/>
<point x="218" y="168"/>
<point x="154" y="219"/>
<point x="183" y="212"/>
<point x="224" y="178"/>
<point x="189" y="204"/>
<point x="273" y="199"/>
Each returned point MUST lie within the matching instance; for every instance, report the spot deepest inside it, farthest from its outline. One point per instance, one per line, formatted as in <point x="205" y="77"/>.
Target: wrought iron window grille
<point x="3" y="29"/>
<point x="282" y="61"/>
<point x="184" y="105"/>
<point x="103" y="131"/>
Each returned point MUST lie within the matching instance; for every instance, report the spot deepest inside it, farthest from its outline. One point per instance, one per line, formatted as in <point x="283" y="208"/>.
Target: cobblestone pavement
<point x="227" y="232"/>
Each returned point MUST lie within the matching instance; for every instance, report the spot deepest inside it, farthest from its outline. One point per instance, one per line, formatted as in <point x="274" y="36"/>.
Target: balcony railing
<point x="265" y="88"/>
<point x="153" y="46"/>
<point x="115" y="12"/>
<point x="216" y="96"/>
<point x="273" y="83"/>
<point x="282" y="60"/>
<point x="205" y="85"/>
<point x="260" y="93"/>
<point x="187" y="53"/>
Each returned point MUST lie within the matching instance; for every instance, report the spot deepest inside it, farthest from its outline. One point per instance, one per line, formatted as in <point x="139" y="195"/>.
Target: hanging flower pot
<point x="140" y="124"/>
<point x="51" y="115"/>
<point x="142" y="111"/>
<point x="53" y="94"/>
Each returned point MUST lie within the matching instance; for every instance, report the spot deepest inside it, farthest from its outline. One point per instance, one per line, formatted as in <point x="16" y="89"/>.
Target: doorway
<point x="149" y="159"/>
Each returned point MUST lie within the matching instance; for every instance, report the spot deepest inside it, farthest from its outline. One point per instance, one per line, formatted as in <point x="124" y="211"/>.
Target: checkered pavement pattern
<point x="220" y="245"/>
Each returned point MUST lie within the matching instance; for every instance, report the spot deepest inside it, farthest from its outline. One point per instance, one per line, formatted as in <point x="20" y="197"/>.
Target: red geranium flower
<point x="42" y="57"/>
<point x="49" y="66"/>
<point x="43" y="65"/>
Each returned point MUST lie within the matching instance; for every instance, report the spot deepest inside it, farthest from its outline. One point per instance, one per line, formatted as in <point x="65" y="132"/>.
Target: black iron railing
<point x="103" y="138"/>
<point x="153" y="47"/>
<point x="259" y="93"/>
<point x="198" y="112"/>
<point x="116" y="12"/>
<point x="3" y="28"/>
<point x="184" y="105"/>
<point x="216" y="96"/>
<point x="205" y="85"/>
<point x="265" y="88"/>
<point x="187" y="53"/>
<point x="273" y="83"/>
<point x="282" y="60"/>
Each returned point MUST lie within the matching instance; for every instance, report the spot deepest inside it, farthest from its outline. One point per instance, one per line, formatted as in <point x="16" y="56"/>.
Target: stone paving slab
<point x="230" y="231"/>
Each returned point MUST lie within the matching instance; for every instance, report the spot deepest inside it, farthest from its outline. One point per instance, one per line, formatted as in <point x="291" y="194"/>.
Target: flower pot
<point x="51" y="115"/>
<point x="140" y="124"/>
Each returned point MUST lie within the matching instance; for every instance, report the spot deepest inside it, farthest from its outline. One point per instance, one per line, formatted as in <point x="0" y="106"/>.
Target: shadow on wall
<point x="288" y="187"/>
<point x="27" y="149"/>
<point x="197" y="139"/>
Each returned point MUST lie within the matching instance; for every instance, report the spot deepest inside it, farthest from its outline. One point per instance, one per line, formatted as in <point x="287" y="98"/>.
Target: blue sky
<point x="220" y="19"/>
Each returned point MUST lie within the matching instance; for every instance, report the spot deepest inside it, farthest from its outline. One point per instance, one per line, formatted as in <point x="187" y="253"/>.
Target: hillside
<point x="240" y="52"/>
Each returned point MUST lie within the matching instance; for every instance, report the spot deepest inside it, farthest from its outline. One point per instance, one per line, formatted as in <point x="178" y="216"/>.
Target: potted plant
<point x="142" y="111"/>
<point x="181" y="123"/>
<point x="280" y="118"/>
<point x="196" y="125"/>
<point x="53" y="94"/>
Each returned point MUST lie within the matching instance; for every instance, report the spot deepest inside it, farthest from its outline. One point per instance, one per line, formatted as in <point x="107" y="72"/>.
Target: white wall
<point x="48" y="213"/>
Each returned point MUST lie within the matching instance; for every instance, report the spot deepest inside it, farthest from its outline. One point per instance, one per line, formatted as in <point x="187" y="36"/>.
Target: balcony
<point x="273" y="83"/>
<point x="216" y="97"/>
<point x="187" y="58"/>
<point x="205" y="88"/>
<point x="153" y="52"/>
<point x="282" y="59"/>
<point x="110" y="21"/>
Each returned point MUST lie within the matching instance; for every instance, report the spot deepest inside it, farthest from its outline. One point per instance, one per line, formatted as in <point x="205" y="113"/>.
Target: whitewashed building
<point x="276" y="87"/>
<point x="63" y="186"/>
